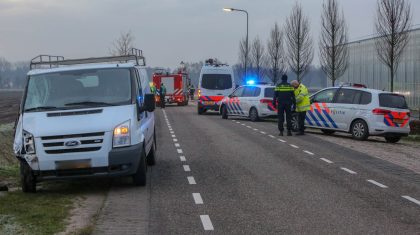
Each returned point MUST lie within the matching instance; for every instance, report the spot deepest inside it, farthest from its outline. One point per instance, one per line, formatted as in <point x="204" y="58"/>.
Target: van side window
<point x="326" y="96"/>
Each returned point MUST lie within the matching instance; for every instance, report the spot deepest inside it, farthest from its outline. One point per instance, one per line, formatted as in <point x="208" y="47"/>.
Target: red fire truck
<point x="176" y="86"/>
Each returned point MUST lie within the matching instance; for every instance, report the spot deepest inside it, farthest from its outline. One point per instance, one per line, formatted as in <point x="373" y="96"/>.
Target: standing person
<point x="162" y="93"/>
<point x="303" y="104"/>
<point x="192" y="91"/>
<point x="285" y="99"/>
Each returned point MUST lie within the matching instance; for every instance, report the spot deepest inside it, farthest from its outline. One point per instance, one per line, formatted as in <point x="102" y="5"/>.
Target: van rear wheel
<point x="393" y="139"/>
<point x="28" y="179"/>
<point x="139" y="178"/>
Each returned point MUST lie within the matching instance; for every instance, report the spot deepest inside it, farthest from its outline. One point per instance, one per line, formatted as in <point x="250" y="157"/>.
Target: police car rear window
<point x="251" y="92"/>
<point x="269" y="92"/>
<point x="392" y="101"/>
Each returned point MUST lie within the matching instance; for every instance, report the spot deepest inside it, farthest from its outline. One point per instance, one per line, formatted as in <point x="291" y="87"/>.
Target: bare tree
<point x="275" y="54"/>
<point x="242" y="58"/>
<point x="299" y="43"/>
<point x="258" y="58"/>
<point x="122" y="45"/>
<point x="333" y="48"/>
<point x="392" y="25"/>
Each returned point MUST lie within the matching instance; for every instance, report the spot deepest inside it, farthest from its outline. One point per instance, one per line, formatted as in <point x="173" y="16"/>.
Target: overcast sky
<point x="169" y="31"/>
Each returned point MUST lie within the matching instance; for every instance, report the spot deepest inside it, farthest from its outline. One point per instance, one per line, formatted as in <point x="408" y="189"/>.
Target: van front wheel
<point x="27" y="177"/>
<point x="139" y="179"/>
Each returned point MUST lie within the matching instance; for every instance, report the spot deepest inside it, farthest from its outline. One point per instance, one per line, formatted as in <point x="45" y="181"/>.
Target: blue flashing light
<point x="250" y="82"/>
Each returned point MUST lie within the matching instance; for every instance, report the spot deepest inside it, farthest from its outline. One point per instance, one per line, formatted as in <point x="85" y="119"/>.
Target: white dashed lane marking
<point x="191" y="180"/>
<point x="283" y="141"/>
<point x="205" y="219"/>
<point x="271" y="136"/>
<point x="412" y="200"/>
<point x="262" y="132"/>
<point x="197" y="198"/>
<point x="177" y="145"/>
<point x="294" y="146"/>
<point x="182" y="158"/>
<point x="173" y="136"/>
<point x="326" y="160"/>
<point x="179" y="150"/>
<point x="175" y="140"/>
<point x="249" y="127"/>
<point x="186" y="168"/>
<point x="348" y="170"/>
<point x="255" y="129"/>
<point x="310" y="153"/>
<point x="377" y="184"/>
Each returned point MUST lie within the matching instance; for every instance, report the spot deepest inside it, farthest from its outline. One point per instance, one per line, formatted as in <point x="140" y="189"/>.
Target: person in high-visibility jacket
<point x="303" y="104"/>
<point x="284" y="98"/>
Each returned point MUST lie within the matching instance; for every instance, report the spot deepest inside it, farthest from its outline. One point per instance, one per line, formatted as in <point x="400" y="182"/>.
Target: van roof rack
<point x="56" y="61"/>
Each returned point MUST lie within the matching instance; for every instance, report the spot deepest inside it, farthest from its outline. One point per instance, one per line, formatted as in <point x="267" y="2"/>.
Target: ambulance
<point x="215" y="82"/>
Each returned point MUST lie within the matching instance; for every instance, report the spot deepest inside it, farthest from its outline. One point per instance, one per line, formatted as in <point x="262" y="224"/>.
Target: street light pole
<point x="246" y="40"/>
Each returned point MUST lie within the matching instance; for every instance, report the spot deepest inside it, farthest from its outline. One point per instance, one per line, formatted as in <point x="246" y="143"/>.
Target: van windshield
<point x="392" y="101"/>
<point x="78" y="89"/>
<point x="216" y="81"/>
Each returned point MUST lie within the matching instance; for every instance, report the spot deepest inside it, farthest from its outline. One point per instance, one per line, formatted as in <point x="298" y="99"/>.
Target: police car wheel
<point x="28" y="179"/>
<point x="295" y="122"/>
<point x="393" y="139"/>
<point x="253" y="114"/>
<point x="359" y="130"/>
<point x="328" y="132"/>
<point x="224" y="112"/>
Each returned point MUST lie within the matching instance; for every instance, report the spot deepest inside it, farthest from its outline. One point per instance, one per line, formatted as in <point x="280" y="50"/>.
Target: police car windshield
<point x="392" y="101"/>
<point x="79" y="89"/>
<point x="216" y="81"/>
<point x="269" y="92"/>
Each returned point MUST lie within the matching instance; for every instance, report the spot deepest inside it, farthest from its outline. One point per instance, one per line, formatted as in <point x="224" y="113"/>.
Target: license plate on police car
<point x="399" y="121"/>
<point x="208" y="102"/>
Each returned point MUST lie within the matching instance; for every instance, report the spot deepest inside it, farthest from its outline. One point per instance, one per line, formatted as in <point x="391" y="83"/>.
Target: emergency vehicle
<point x="176" y="86"/>
<point x="253" y="101"/>
<point x="215" y="82"/>
<point x="360" y="111"/>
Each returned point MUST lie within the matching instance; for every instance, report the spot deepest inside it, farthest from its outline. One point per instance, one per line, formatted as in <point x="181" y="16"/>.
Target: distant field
<point x="9" y="105"/>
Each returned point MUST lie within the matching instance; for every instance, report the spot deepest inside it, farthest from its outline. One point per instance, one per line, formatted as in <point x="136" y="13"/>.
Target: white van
<point x="85" y="118"/>
<point x="216" y="81"/>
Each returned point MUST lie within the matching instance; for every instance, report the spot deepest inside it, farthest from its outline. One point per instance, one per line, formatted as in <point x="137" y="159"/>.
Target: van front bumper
<point x="122" y="162"/>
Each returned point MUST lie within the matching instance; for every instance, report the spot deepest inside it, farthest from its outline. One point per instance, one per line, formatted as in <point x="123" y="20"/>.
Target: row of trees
<point x="392" y="25"/>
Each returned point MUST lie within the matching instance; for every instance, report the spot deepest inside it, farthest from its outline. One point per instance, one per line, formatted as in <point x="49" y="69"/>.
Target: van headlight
<point x="122" y="135"/>
<point x="28" y="142"/>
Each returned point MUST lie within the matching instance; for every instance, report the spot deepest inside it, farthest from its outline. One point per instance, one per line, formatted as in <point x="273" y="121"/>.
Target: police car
<point x="360" y="111"/>
<point x="253" y="101"/>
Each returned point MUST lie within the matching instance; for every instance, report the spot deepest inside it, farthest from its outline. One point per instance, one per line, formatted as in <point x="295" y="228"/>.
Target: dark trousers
<point x="301" y="121"/>
<point x="162" y="102"/>
<point x="285" y="109"/>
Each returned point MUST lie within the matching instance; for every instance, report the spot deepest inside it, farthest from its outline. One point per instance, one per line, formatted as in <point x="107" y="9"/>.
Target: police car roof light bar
<point x="56" y="61"/>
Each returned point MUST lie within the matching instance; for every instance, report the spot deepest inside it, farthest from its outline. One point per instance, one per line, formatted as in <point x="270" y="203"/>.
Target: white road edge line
<point x="294" y="146"/>
<point x="179" y="150"/>
<point x="326" y="160"/>
<point x="205" y="219"/>
<point x="197" y="198"/>
<point x="186" y="168"/>
<point x="182" y="158"/>
<point x="377" y="184"/>
<point x="412" y="199"/>
<point x="191" y="180"/>
<point x="310" y="153"/>
<point x="348" y="170"/>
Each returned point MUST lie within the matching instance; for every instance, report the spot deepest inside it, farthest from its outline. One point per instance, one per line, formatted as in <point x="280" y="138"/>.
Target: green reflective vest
<point x="303" y="102"/>
<point x="283" y="88"/>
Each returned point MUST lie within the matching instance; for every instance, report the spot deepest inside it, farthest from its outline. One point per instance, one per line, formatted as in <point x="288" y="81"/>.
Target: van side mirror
<point x="149" y="103"/>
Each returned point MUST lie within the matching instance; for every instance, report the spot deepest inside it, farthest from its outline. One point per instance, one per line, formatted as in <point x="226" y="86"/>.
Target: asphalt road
<point x="238" y="177"/>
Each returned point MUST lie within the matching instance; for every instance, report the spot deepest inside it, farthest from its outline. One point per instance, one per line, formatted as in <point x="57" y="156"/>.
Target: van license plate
<point x="73" y="164"/>
<point x="208" y="102"/>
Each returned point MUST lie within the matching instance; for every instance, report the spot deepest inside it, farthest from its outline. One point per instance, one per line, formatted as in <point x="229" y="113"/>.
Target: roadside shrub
<point x="415" y="127"/>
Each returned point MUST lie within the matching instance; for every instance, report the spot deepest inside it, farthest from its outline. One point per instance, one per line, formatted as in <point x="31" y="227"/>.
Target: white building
<point x="365" y="68"/>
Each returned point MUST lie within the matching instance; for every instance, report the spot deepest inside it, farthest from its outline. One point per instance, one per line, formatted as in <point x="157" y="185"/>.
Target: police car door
<point x="246" y="100"/>
<point x="233" y="101"/>
<point x="346" y="106"/>
<point x="320" y="115"/>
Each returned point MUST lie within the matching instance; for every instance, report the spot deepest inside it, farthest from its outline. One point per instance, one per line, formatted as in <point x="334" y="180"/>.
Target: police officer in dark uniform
<point x="285" y="98"/>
